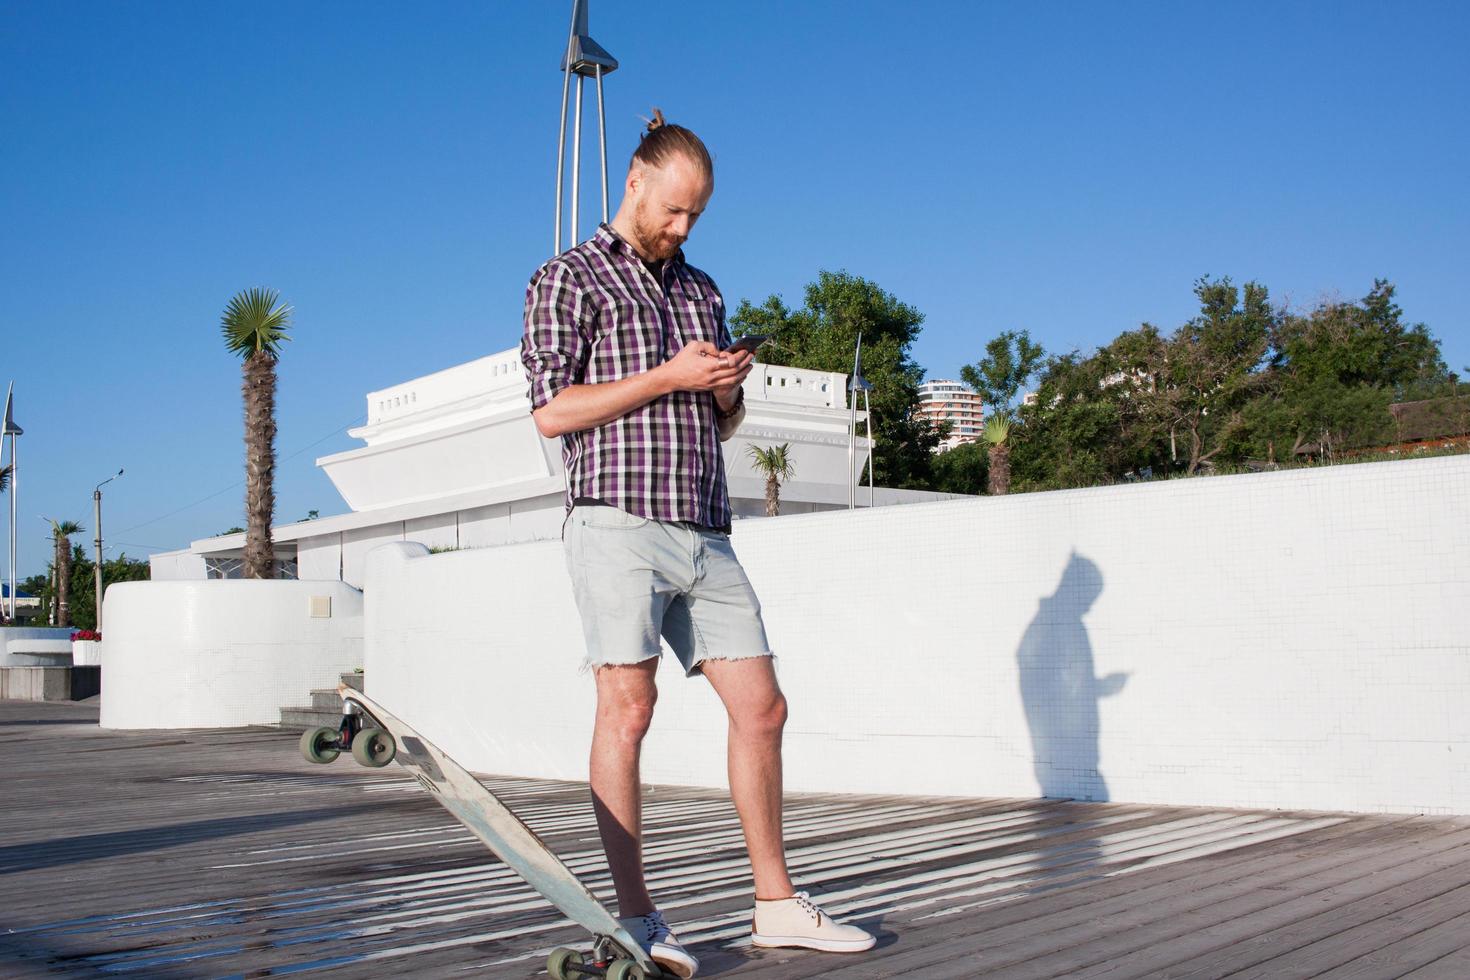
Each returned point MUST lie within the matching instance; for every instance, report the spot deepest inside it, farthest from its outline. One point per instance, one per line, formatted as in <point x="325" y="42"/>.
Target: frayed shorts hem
<point x="592" y="666"/>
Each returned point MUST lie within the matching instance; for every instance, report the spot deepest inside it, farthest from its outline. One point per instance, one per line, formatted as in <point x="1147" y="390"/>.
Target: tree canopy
<point x="822" y="335"/>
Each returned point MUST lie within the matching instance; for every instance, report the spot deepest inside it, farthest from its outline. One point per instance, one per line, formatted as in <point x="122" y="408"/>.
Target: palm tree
<point x="61" y="532"/>
<point x="775" y="464"/>
<point x="4" y="478"/>
<point x="997" y="432"/>
<point x="254" y="326"/>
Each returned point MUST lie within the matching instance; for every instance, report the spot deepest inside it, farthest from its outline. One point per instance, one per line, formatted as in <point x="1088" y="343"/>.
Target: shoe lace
<point x="803" y="899"/>
<point x="655" y="928"/>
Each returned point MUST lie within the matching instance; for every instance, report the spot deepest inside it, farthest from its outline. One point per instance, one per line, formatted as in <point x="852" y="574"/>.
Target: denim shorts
<point x="636" y="579"/>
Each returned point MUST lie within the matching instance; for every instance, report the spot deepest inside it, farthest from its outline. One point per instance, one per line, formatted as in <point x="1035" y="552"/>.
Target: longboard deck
<point x="482" y="812"/>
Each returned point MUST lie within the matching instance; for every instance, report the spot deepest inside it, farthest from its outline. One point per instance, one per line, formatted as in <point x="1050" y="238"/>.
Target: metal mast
<point x="584" y="58"/>
<point x="858" y="383"/>
<point x="9" y="428"/>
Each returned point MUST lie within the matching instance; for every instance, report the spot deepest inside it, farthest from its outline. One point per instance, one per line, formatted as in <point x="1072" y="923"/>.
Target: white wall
<point x="222" y="652"/>
<point x="1280" y="640"/>
<point x="173" y="566"/>
<point x="319" y="558"/>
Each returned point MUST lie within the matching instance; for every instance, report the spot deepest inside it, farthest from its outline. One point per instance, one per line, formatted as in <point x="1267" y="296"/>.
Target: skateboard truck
<point x="608" y="960"/>
<point x="369" y="745"/>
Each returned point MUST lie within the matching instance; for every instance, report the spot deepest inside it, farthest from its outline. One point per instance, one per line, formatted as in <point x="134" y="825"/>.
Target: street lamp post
<point x="97" y="568"/>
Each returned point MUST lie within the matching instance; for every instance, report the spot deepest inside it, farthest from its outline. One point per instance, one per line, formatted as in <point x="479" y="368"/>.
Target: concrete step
<point x="325" y="707"/>
<point x="38" y="683"/>
<point x="301" y="719"/>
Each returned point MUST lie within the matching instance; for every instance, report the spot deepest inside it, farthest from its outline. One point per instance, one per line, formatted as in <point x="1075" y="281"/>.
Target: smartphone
<point x="750" y="343"/>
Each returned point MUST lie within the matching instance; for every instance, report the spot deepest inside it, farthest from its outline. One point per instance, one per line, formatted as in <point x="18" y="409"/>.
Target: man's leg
<point x="625" y="699"/>
<point x="757" y="711"/>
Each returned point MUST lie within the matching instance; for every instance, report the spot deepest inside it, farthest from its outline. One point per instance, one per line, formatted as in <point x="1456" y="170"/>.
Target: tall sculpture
<point x="584" y="58"/>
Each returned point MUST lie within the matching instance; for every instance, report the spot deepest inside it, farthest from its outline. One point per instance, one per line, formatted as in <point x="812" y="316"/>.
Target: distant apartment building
<point x="952" y="402"/>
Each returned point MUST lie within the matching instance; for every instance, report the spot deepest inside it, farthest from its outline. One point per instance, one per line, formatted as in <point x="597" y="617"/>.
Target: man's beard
<point x="658" y="245"/>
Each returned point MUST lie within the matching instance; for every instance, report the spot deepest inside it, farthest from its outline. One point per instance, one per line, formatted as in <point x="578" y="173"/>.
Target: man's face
<point x="667" y="203"/>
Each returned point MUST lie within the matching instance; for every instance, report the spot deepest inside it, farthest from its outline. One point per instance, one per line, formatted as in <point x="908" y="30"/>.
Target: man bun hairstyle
<point x="663" y="140"/>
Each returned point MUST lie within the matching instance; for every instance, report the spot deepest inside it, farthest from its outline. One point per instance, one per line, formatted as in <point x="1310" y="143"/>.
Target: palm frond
<point x="997" y="429"/>
<point x="256" y="320"/>
<point x="773" y="461"/>
<point x="4" y="478"/>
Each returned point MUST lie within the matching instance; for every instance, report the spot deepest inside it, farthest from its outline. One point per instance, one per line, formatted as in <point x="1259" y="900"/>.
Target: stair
<point x="325" y="708"/>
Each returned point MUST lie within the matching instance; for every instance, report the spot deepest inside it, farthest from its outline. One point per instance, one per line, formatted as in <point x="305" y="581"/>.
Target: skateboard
<point x="375" y="737"/>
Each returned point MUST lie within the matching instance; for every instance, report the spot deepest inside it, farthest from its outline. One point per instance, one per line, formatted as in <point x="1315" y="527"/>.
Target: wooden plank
<point x="1431" y="949"/>
<point x="1084" y="920"/>
<point x="1440" y="898"/>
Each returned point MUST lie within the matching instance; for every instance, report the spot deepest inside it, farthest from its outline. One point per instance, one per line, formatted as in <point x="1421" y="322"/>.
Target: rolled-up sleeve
<point x="554" y="345"/>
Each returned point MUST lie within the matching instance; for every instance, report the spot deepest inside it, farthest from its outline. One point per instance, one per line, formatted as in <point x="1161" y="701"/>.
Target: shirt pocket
<point x="701" y="313"/>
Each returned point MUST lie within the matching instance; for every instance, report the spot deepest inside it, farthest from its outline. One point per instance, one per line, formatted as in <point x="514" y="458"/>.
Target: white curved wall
<point x="1290" y="639"/>
<point x="224" y="652"/>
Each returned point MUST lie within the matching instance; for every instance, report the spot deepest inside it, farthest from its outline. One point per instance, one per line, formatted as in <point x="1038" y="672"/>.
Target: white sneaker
<point x="795" y="921"/>
<point x="654" y="935"/>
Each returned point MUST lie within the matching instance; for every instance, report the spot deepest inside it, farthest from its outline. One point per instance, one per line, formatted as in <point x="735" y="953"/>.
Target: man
<point x="625" y="348"/>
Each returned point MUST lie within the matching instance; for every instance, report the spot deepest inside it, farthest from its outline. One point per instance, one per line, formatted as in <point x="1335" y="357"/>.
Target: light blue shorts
<point x="637" y="579"/>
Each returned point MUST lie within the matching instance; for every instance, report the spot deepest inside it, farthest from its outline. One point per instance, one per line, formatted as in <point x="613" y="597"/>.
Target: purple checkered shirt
<point x="595" y="313"/>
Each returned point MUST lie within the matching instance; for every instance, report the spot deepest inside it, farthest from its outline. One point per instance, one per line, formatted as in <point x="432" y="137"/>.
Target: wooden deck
<point x="205" y="854"/>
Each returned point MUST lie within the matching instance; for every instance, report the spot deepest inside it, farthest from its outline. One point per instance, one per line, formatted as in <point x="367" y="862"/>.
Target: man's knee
<point x="626" y="715"/>
<point x="766" y="716"/>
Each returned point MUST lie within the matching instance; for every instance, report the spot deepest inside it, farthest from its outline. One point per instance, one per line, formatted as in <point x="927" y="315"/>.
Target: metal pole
<point x="97" y="568"/>
<point x="561" y="138"/>
<point x="602" y="142"/>
<point x="14" y="541"/>
<point x="851" y="451"/>
<point x="576" y="163"/>
<point x="868" y="411"/>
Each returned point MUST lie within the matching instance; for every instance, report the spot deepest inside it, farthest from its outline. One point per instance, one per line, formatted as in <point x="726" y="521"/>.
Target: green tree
<point x="1085" y="428"/>
<point x="776" y="465"/>
<point x="962" y="469"/>
<point x="1196" y="383"/>
<point x="254" y="326"/>
<point x="821" y="336"/>
<point x="1334" y="371"/>
<point x="1009" y="362"/>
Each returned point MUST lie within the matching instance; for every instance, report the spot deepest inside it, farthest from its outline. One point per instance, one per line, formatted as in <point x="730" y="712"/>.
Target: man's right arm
<point x="699" y="366"/>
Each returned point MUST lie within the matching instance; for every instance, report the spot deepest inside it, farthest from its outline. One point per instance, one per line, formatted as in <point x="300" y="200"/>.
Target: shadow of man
<point x="1060" y="690"/>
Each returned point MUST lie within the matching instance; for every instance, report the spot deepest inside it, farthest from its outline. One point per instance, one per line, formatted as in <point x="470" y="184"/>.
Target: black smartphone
<point x="750" y="343"/>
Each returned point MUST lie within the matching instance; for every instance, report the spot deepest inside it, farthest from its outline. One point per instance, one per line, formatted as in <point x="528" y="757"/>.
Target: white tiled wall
<point x="1280" y="640"/>
<point x="223" y="652"/>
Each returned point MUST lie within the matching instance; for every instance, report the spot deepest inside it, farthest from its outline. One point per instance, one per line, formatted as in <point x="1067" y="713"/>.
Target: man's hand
<point x="701" y="366"/>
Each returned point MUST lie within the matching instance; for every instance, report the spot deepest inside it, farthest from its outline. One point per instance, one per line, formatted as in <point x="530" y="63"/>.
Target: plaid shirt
<point x="596" y="313"/>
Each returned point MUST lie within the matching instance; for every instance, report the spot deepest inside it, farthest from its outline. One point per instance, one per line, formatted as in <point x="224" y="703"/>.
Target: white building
<point x="952" y="402"/>
<point x="453" y="460"/>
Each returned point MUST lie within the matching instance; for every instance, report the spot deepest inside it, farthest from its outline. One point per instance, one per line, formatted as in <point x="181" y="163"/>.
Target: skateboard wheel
<point x="626" y="970"/>
<point x="319" y="745"/>
<point x="373" y="747"/>
<point x="559" y="962"/>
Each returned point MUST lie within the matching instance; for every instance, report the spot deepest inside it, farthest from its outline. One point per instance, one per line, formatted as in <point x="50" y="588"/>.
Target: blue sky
<point x="1069" y="169"/>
